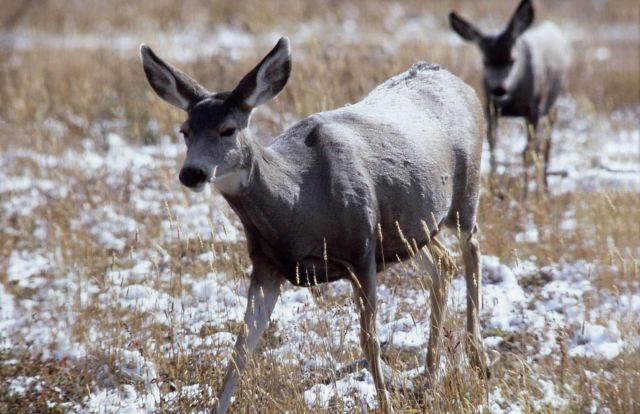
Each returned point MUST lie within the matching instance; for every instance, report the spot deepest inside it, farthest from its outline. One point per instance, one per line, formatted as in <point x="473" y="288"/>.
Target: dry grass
<point x="78" y="86"/>
<point x="93" y="92"/>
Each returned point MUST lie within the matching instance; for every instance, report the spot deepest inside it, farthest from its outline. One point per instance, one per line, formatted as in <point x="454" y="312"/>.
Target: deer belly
<point x="399" y="239"/>
<point x="312" y="271"/>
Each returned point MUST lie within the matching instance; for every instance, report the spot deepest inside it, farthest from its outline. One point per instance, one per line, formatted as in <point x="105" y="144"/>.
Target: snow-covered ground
<point x="53" y="292"/>
<point x="587" y="154"/>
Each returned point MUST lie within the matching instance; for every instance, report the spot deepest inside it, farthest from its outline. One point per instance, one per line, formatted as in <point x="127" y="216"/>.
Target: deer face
<point x="217" y="148"/>
<point x="216" y="134"/>
<point x="502" y="64"/>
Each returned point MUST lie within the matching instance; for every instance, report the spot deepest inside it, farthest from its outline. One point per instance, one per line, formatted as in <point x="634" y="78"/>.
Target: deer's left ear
<point x="170" y="83"/>
<point x="465" y="29"/>
<point x="267" y="79"/>
<point x="521" y="19"/>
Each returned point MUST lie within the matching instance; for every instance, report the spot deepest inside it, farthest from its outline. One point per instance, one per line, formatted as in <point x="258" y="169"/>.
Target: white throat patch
<point x="230" y="182"/>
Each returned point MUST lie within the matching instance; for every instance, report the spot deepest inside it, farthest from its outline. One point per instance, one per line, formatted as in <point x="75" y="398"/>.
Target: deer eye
<point x="227" y="132"/>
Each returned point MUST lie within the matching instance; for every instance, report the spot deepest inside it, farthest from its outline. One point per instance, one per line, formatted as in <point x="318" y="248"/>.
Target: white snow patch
<point x="142" y="268"/>
<point x="498" y="404"/>
<point x="117" y="401"/>
<point x="351" y="390"/>
<point x="405" y="334"/>
<point x="7" y="317"/>
<point x="550" y="397"/>
<point x="26" y="268"/>
<point x="595" y="340"/>
<point x="20" y="385"/>
<point x="211" y="290"/>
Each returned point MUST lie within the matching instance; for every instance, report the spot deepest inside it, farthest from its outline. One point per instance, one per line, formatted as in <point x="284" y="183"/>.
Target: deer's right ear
<point x="464" y="28"/>
<point x="521" y="19"/>
<point x="267" y="79"/>
<point x="170" y="83"/>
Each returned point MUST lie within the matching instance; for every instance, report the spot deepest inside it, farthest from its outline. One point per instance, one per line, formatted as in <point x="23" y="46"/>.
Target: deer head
<point x="218" y="141"/>
<point x="502" y="62"/>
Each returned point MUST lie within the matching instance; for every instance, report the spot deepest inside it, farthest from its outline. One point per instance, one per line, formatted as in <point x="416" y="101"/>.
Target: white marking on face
<point x="230" y="182"/>
<point x="515" y="74"/>
<point x="199" y="188"/>
<point x="496" y="77"/>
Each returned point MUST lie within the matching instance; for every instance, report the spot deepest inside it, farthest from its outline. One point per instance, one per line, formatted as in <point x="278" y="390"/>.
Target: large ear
<point x="521" y="19"/>
<point x="267" y="79"/>
<point x="465" y="29"/>
<point x="170" y="83"/>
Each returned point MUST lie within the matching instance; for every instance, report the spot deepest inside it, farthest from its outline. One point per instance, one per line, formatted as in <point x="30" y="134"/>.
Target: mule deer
<point x="400" y="163"/>
<point x="524" y="72"/>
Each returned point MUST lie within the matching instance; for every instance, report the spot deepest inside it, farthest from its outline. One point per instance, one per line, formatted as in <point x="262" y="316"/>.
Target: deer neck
<point x="269" y="193"/>
<point x="235" y="181"/>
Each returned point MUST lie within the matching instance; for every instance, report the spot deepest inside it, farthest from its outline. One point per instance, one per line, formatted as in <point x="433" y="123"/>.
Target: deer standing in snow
<point x="524" y="73"/>
<point x="400" y="163"/>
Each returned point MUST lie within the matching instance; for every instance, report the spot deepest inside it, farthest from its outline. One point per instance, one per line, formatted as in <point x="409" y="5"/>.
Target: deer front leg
<point x="364" y="287"/>
<point x="264" y="290"/>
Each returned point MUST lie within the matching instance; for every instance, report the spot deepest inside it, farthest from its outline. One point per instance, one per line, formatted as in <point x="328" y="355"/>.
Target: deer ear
<point x="465" y="29"/>
<point x="267" y="79"/>
<point x="170" y="83"/>
<point x="521" y="19"/>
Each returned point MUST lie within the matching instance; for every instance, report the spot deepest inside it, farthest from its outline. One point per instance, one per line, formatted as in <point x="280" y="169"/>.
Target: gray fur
<point x="524" y="73"/>
<point x="311" y="202"/>
<point x="335" y="175"/>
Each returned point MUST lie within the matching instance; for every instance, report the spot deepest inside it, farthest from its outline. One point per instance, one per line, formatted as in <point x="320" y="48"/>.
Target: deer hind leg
<point x="264" y="290"/>
<point x="436" y="261"/>
<point x="364" y="287"/>
<point x="471" y="256"/>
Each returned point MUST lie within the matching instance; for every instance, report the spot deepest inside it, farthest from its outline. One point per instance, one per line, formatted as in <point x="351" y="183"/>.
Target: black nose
<point x="499" y="91"/>
<point x="192" y="176"/>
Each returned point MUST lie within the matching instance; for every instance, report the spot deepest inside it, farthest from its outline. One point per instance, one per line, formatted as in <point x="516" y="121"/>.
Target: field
<point x="121" y="291"/>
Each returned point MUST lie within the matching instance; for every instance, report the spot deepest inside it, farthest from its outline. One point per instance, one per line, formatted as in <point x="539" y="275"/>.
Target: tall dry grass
<point x="80" y="86"/>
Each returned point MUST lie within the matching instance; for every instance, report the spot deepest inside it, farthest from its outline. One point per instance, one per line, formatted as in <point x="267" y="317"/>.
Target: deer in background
<point x="524" y="73"/>
<point x="399" y="164"/>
